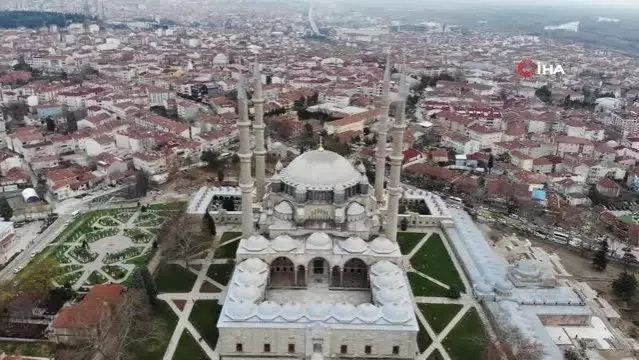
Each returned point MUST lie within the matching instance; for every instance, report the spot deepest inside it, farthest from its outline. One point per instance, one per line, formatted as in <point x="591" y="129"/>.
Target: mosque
<point x="319" y="272"/>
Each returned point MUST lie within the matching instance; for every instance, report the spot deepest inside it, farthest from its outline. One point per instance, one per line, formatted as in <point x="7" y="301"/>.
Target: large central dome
<point x="320" y="170"/>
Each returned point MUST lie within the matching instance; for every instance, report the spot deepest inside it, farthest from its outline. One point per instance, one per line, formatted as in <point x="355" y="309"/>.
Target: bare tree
<point x="514" y="343"/>
<point x="185" y="239"/>
<point x="120" y="327"/>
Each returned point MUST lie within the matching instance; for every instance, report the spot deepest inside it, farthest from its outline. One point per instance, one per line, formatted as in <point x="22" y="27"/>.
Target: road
<point x="41" y="241"/>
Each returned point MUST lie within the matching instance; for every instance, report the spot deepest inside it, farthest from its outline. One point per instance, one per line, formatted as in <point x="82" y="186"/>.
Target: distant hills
<point x="36" y="19"/>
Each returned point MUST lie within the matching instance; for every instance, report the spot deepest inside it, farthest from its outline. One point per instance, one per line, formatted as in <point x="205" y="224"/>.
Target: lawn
<point x="433" y="260"/>
<point x="407" y="241"/>
<point x="439" y="315"/>
<point x="154" y="349"/>
<point x="96" y="278"/>
<point x="174" y="278"/>
<point x="423" y="340"/>
<point x="204" y="317"/>
<point x="435" y="355"/>
<point x="228" y="250"/>
<point x="425" y="287"/>
<point x="37" y="348"/>
<point x="188" y="348"/>
<point x="116" y="272"/>
<point x="467" y="339"/>
<point x="180" y="205"/>
<point x="69" y="278"/>
<point x="220" y="272"/>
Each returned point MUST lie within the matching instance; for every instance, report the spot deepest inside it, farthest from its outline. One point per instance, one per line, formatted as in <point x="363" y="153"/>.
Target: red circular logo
<point x="526" y="68"/>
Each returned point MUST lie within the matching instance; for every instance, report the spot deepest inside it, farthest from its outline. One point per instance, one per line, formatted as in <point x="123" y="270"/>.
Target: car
<point x="17" y="270"/>
<point x="67" y="222"/>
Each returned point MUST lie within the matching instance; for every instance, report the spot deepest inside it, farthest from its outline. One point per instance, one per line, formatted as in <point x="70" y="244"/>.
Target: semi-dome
<point x="255" y="243"/>
<point x="318" y="311"/>
<point x="384" y="267"/>
<point x="397" y="313"/>
<point x="283" y="243"/>
<point x="253" y="265"/>
<point x="284" y="207"/>
<point x="344" y="311"/>
<point x="383" y="245"/>
<point x="353" y="245"/>
<point x="250" y="279"/>
<point x="320" y="170"/>
<point x="368" y="312"/>
<point x="268" y="310"/>
<point x="319" y="240"/>
<point x="291" y="311"/>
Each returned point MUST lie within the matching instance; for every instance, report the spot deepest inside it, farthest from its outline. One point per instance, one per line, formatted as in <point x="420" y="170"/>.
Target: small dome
<point x="388" y="281"/>
<point x="361" y="168"/>
<point x="319" y="240"/>
<point x="344" y="311"/>
<point x="284" y="207"/>
<point x="240" y="310"/>
<point x="384" y="267"/>
<point x="355" y="209"/>
<point x="318" y="311"/>
<point x="268" y="310"/>
<point x="245" y="293"/>
<point x="253" y="265"/>
<point x="291" y="311"/>
<point x="279" y="166"/>
<point x="368" y="312"/>
<point x="250" y="279"/>
<point x="283" y="243"/>
<point x="255" y="243"/>
<point x="382" y="245"/>
<point x="397" y="313"/>
<point x="483" y="288"/>
<point x="503" y="287"/>
<point x="353" y="245"/>
<point x="389" y="296"/>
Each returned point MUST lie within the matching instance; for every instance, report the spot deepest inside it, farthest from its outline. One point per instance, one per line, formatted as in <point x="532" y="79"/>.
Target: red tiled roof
<point x="90" y="310"/>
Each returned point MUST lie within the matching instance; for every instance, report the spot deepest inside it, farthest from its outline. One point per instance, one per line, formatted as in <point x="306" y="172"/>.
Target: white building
<point x="8" y="247"/>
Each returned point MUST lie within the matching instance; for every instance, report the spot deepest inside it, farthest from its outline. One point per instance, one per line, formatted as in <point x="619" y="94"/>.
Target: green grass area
<point x="425" y="287"/>
<point x="180" y="205"/>
<point x="96" y="278"/>
<point x="467" y="339"/>
<point x="435" y="355"/>
<point x="423" y="340"/>
<point x="154" y="349"/>
<point x="408" y="240"/>
<point x="69" y="278"/>
<point x="439" y="315"/>
<point x="220" y="272"/>
<point x="188" y="348"/>
<point x="433" y="260"/>
<point x="36" y="348"/>
<point x="174" y="278"/>
<point x="141" y="260"/>
<point x="127" y="253"/>
<point x="228" y="250"/>
<point x="204" y="317"/>
<point x="116" y="272"/>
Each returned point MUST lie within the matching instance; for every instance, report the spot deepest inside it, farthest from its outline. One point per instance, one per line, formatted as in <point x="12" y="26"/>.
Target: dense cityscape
<point x="293" y="180"/>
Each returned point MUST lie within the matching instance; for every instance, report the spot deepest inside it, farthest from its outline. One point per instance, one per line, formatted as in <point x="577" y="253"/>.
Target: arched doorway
<point x="282" y="272"/>
<point x="318" y="271"/>
<point x="355" y="274"/>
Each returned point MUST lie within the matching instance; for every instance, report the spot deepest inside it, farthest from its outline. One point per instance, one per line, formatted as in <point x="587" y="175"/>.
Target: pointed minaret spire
<point x="396" y="157"/>
<point x="258" y="127"/>
<point x="246" y="182"/>
<point x="382" y="134"/>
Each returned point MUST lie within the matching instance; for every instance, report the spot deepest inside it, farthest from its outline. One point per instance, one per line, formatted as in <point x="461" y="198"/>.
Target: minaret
<point x="258" y="126"/>
<point x="246" y="182"/>
<point x="394" y="189"/>
<point x="382" y="131"/>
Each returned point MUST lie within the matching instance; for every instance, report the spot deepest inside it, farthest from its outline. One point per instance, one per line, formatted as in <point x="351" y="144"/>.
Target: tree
<point x="453" y="292"/>
<point x="367" y="131"/>
<point x="491" y="162"/>
<point x="6" y="211"/>
<point x="210" y="223"/>
<point x="72" y="122"/>
<point x="228" y="204"/>
<point x="403" y="224"/>
<point x="282" y="129"/>
<point x="544" y="94"/>
<point x="50" y="124"/>
<point x="141" y="183"/>
<point x="402" y="209"/>
<point x="187" y="240"/>
<point x="600" y="261"/>
<point x="211" y="158"/>
<point x="220" y="175"/>
<point x="119" y="328"/>
<point x="625" y="286"/>
<point x="313" y="99"/>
